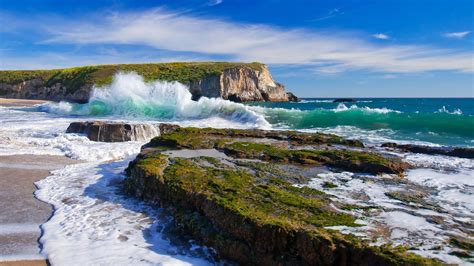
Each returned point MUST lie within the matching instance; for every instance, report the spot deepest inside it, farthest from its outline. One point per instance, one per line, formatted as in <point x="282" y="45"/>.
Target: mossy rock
<point x="227" y="140"/>
<point x="250" y="212"/>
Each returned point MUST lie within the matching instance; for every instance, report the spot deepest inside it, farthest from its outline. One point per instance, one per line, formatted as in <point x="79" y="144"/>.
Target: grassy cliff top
<point x="75" y="77"/>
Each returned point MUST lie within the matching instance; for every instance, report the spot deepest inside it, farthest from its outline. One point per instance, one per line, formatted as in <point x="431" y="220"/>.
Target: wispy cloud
<point x="381" y="36"/>
<point x="215" y="2"/>
<point x="457" y="35"/>
<point x="389" y="76"/>
<point x="325" y="52"/>
<point x="332" y="13"/>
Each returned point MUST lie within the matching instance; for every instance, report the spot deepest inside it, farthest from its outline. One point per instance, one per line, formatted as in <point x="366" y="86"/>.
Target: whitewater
<point x="94" y="223"/>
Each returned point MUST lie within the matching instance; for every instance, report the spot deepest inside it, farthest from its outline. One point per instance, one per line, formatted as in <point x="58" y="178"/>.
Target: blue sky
<point x="369" y="48"/>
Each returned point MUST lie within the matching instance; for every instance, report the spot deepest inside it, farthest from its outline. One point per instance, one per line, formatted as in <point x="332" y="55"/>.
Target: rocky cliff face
<point x="239" y="84"/>
<point x="37" y="89"/>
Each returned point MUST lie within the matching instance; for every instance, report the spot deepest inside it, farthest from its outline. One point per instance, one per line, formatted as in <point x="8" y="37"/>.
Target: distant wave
<point x="342" y="107"/>
<point x="372" y="119"/>
<point x="329" y="101"/>
<point x="455" y="112"/>
<point x="129" y="96"/>
<point x="316" y="101"/>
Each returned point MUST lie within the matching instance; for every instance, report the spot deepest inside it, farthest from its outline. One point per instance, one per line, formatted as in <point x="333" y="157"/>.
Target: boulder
<point x="292" y="97"/>
<point x="114" y="132"/>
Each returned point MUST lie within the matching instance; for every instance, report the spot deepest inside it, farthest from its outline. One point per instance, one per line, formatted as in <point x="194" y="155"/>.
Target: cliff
<point x="240" y="82"/>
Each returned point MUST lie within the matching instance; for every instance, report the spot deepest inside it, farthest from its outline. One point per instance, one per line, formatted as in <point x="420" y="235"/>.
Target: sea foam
<point x="129" y="96"/>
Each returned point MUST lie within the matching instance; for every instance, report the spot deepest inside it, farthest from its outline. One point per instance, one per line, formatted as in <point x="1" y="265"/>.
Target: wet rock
<point x="448" y="151"/>
<point x="344" y="100"/>
<point x="114" y="132"/>
<point x="251" y="212"/>
<point x="168" y="128"/>
<point x="292" y="97"/>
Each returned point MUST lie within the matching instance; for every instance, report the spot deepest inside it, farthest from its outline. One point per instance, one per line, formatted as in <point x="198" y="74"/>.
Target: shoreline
<point x="22" y="214"/>
<point x="7" y="102"/>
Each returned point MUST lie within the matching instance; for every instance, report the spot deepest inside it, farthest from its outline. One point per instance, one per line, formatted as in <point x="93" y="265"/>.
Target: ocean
<point x="94" y="223"/>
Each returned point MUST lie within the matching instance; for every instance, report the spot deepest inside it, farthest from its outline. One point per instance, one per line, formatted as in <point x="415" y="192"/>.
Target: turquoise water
<point x="431" y="121"/>
<point x="439" y="121"/>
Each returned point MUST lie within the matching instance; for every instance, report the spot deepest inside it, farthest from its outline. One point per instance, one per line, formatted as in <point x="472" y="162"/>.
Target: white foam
<point x="92" y="218"/>
<point x="342" y="108"/>
<point x="95" y="224"/>
<point x="130" y="96"/>
<point x="455" y="190"/>
<point x="455" y="112"/>
<point x="406" y="224"/>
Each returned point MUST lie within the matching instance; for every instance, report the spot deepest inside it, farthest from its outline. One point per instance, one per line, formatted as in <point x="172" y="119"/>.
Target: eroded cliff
<point x="233" y="81"/>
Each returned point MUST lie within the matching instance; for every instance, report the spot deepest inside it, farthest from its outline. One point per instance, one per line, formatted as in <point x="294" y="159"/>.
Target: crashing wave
<point x="129" y="96"/>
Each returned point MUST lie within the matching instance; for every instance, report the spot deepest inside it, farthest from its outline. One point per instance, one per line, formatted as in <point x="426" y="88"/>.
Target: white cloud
<point x="381" y="36"/>
<point x="325" y="52"/>
<point x="457" y="35"/>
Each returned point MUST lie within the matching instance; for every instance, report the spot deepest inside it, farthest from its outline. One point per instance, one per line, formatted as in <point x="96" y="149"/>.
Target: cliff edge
<point x="239" y="82"/>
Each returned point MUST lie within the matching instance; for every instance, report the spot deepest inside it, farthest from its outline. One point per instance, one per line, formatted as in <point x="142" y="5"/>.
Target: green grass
<point x="75" y="78"/>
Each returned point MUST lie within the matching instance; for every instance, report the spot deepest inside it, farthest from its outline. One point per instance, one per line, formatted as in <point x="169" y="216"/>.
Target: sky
<point x="351" y="48"/>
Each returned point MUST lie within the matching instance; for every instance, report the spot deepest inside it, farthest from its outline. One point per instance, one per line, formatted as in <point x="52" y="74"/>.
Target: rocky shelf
<point x="239" y="191"/>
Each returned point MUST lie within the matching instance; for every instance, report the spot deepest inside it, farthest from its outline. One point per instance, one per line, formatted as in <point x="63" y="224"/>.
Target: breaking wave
<point x="129" y="96"/>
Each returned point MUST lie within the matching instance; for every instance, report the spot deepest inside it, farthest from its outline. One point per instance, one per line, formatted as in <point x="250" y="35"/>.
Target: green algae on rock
<point x="282" y="147"/>
<point x="250" y="211"/>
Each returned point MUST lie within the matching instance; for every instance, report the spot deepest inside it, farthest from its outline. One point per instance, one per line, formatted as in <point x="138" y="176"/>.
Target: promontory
<point x="239" y="82"/>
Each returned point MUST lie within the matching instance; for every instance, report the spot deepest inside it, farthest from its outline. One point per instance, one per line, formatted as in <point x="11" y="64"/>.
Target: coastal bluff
<point x="238" y="82"/>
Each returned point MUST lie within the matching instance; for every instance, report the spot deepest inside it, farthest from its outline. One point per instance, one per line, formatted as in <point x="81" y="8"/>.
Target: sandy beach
<point x="20" y="102"/>
<point x="21" y="214"/>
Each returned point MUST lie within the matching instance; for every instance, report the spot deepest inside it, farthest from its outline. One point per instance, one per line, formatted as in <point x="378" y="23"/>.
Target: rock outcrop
<point x="344" y="100"/>
<point x="251" y="211"/>
<point x="38" y="89"/>
<point x="241" y="84"/>
<point x="232" y="81"/>
<point x="114" y="132"/>
<point x="447" y="151"/>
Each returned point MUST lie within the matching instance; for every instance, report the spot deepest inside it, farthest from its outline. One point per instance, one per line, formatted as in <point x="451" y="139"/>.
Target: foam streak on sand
<point x="95" y="224"/>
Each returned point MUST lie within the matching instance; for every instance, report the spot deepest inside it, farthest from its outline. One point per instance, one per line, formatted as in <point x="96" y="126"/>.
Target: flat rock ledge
<point x="447" y="151"/>
<point x="246" y="203"/>
<point x="115" y="131"/>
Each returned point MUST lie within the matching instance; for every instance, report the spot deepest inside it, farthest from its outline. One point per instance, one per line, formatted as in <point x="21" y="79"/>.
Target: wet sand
<point x="21" y="214"/>
<point x="19" y="102"/>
